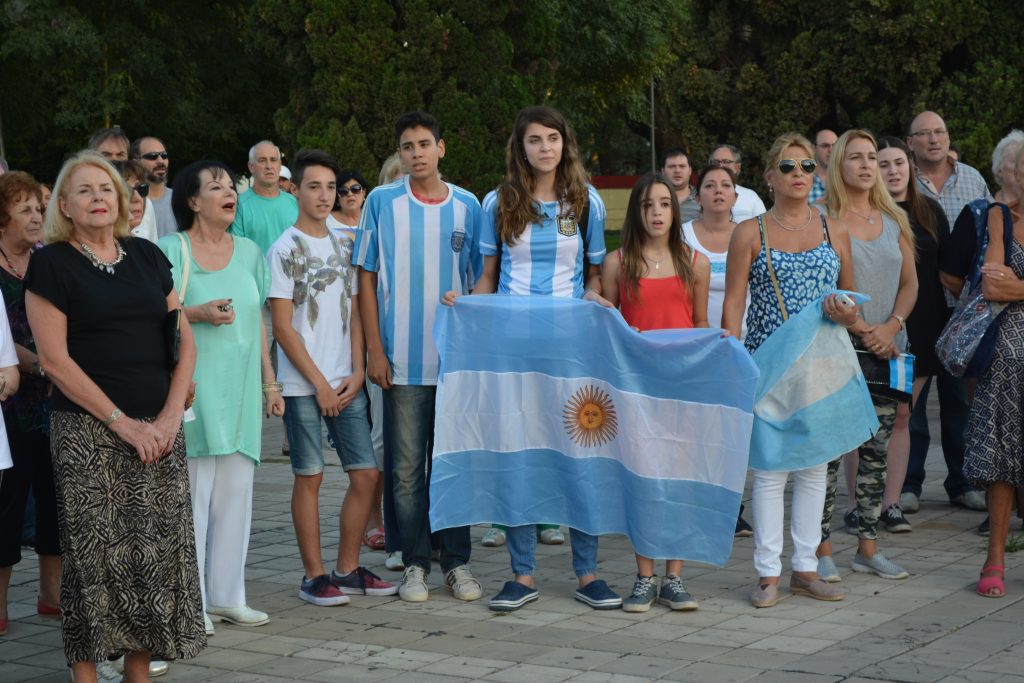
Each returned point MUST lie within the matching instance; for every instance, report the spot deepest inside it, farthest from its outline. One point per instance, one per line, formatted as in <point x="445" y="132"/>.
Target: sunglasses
<point x="153" y="156"/>
<point x="354" y="189"/>
<point x="141" y="188"/>
<point x="789" y="165"/>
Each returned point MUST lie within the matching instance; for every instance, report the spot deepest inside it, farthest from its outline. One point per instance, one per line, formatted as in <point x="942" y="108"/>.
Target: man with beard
<point x="152" y="154"/>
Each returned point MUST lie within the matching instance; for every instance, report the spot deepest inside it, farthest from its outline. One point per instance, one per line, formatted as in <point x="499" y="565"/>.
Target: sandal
<point x="987" y="583"/>
<point x="818" y="588"/>
<point x="374" y="539"/>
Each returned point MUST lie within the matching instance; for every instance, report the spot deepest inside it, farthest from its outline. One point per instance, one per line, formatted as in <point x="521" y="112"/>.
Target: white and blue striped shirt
<point x="547" y="259"/>
<point x="419" y="251"/>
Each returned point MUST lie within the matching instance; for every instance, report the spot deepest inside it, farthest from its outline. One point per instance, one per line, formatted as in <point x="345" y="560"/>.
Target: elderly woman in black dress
<point x="98" y="302"/>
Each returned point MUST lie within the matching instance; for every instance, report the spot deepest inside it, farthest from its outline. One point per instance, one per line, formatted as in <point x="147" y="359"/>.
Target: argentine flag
<point x="554" y="410"/>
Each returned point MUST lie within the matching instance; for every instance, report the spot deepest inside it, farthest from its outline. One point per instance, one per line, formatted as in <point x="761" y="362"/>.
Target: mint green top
<point x="228" y="377"/>
<point x="263" y="220"/>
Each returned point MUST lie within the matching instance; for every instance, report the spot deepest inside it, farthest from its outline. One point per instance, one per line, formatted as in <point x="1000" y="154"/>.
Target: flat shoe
<point x="817" y="589"/>
<point x="987" y="583"/>
<point x="765" y="595"/>
<point x="47" y="611"/>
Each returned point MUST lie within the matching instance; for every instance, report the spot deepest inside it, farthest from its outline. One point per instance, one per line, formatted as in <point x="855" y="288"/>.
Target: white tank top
<point x="716" y="292"/>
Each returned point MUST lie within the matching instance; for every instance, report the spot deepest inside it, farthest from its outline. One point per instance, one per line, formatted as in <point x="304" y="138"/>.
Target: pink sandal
<point x="374" y="539"/>
<point x="987" y="583"/>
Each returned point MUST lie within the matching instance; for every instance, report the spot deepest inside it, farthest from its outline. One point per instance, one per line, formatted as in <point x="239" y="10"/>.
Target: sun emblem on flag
<point x="589" y="417"/>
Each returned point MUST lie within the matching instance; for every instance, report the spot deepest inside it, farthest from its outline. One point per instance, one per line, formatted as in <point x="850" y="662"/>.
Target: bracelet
<point x="37" y="370"/>
<point x="113" y="416"/>
<point x="273" y="386"/>
<point x="900" y="319"/>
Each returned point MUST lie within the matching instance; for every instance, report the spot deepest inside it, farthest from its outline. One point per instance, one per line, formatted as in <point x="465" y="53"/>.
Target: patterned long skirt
<point x="129" y="579"/>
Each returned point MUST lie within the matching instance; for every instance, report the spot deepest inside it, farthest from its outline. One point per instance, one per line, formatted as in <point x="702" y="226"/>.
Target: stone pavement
<point x="930" y="627"/>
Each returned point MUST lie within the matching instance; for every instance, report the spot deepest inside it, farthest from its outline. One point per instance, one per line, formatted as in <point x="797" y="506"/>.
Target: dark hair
<point x="714" y="167"/>
<point x="13" y="185"/>
<point x="135" y="149"/>
<point x="959" y="155"/>
<point x="673" y="152"/>
<point x="104" y="134"/>
<point x="312" y="157"/>
<point x="416" y="119"/>
<point x="345" y="175"/>
<point x="920" y="211"/>
<point x="130" y="167"/>
<point x="187" y="186"/>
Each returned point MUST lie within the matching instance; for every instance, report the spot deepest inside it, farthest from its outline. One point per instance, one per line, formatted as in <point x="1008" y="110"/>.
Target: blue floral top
<point x="803" y="277"/>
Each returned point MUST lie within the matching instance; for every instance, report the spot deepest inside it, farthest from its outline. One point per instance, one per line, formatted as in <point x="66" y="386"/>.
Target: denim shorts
<point x="350" y="431"/>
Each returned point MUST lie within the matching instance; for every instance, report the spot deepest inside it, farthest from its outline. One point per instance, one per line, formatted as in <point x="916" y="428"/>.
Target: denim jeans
<point x="522" y="550"/>
<point x="953" y="413"/>
<point x="408" y="443"/>
<point x="349" y="431"/>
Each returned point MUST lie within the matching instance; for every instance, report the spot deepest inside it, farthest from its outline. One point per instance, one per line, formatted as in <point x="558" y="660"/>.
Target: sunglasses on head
<point x="789" y="165"/>
<point x="354" y="189"/>
<point x="152" y="156"/>
<point x="141" y="188"/>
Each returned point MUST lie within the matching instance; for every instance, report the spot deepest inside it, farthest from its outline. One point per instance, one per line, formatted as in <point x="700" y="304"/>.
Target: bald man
<point x="947" y="181"/>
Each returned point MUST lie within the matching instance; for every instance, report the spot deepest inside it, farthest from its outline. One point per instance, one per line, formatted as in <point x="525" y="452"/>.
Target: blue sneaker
<point x="512" y="596"/>
<point x="598" y="595"/>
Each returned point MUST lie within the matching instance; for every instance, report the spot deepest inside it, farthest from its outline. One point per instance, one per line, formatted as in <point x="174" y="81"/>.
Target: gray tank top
<point x="877" y="264"/>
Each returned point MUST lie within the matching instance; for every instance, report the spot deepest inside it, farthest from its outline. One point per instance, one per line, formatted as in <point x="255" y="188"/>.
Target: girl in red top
<point x="658" y="282"/>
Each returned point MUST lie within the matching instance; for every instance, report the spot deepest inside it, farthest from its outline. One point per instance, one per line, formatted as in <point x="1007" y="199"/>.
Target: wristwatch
<point x="37" y="369"/>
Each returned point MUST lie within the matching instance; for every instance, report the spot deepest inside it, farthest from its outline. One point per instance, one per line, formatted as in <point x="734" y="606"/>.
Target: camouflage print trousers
<point x="870" y="475"/>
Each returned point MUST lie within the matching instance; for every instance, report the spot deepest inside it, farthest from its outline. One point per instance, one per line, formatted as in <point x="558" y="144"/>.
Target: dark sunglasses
<point x="354" y="189"/>
<point x="789" y="165"/>
<point x="141" y="188"/>
<point x="152" y="156"/>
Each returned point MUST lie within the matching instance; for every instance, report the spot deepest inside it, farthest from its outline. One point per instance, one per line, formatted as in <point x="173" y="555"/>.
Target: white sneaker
<point x="157" y="667"/>
<point x="208" y="623"/>
<point x="909" y="502"/>
<point x="551" y="537"/>
<point x="972" y="500"/>
<point x="463" y="585"/>
<point x="242" y="616"/>
<point x="414" y="585"/>
<point x="493" y="538"/>
<point x="394" y="561"/>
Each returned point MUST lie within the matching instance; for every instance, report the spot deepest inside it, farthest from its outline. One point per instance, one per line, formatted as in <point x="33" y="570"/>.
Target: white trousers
<point x="221" y="487"/>
<point x="804" y="524"/>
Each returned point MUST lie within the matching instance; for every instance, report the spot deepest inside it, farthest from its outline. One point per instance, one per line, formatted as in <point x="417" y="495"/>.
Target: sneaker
<point x="512" y="596"/>
<point x="675" y="596"/>
<point x="743" y="529"/>
<point x="463" y="585"/>
<point x="242" y="616"/>
<point x="972" y="500"/>
<point x="493" y="538"/>
<point x="983" y="528"/>
<point x="551" y="536"/>
<point x="319" y="591"/>
<point x="645" y="591"/>
<point x="909" y="502"/>
<point x="157" y="667"/>
<point x="851" y="520"/>
<point x="414" y="585"/>
<point x="827" y="569"/>
<point x="363" y="582"/>
<point x="879" y="564"/>
<point x="208" y="623"/>
<point x="598" y="595"/>
<point x="394" y="561"/>
<point x="894" y="521"/>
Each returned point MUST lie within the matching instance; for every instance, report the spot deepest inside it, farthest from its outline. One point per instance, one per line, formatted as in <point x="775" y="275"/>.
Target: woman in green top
<point x="223" y="282"/>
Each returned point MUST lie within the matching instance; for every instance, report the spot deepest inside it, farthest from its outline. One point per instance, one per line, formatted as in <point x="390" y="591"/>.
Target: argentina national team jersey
<point x="547" y="259"/>
<point x="419" y="251"/>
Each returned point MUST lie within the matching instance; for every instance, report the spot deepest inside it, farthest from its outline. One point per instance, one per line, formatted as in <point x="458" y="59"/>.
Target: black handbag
<point x="878" y="373"/>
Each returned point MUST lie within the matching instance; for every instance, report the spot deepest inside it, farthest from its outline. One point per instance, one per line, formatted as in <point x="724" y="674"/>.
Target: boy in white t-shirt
<point x="321" y="364"/>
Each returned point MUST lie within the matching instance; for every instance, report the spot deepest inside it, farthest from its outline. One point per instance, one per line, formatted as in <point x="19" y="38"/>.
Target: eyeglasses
<point x="725" y="162"/>
<point x="152" y="156"/>
<point x="927" y="133"/>
<point x="354" y="189"/>
<point x="823" y="145"/>
<point x="789" y="165"/>
<point x="141" y="188"/>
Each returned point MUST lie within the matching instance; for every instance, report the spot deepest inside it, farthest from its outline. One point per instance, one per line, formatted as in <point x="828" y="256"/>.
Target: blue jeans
<point x="349" y="432"/>
<point x="522" y="550"/>
<point x="408" y="443"/>
<point x="953" y="413"/>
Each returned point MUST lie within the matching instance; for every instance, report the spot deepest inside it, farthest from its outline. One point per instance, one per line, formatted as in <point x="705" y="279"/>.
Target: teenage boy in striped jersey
<point x="418" y="238"/>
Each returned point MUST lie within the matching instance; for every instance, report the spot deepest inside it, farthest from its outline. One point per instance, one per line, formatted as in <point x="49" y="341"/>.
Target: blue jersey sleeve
<point x="476" y="257"/>
<point x="595" y="230"/>
<point x="489" y="225"/>
<point x="367" y="247"/>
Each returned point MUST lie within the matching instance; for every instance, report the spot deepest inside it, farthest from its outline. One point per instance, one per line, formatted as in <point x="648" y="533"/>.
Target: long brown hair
<point x="516" y="207"/>
<point x="920" y="210"/>
<point x="634" y="235"/>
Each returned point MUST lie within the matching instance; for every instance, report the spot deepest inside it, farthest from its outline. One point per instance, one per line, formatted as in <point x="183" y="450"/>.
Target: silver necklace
<point x="786" y="227"/>
<point x="868" y="218"/>
<point x="107" y="266"/>
<point x="656" y="262"/>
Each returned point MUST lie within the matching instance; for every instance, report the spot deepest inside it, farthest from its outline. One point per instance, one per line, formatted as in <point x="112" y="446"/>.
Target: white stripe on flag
<point x="657" y="438"/>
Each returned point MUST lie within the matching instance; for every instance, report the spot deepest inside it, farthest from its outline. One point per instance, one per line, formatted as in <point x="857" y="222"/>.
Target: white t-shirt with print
<point x="317" y="276"/>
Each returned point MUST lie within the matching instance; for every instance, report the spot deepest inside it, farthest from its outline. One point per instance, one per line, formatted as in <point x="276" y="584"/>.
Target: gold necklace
<point x="786" y="227"/>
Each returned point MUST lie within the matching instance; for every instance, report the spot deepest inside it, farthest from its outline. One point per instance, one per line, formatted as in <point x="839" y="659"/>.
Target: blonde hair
<point x="779" y="147"/>
<point x="878" y="196"/>
<point x="390" y="170"/>
<point x="58" y="227"/>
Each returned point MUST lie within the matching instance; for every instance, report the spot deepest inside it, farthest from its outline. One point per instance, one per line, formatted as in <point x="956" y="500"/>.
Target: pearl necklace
<point x="107" y="266"/>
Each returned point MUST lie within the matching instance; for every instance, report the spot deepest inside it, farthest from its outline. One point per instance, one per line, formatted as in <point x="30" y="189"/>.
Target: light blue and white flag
<point x="812" y="403"/>
<point x="554" y="410"/>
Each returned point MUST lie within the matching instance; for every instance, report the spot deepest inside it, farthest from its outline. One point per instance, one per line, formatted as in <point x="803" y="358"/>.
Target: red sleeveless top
<point x="658" y="304"/>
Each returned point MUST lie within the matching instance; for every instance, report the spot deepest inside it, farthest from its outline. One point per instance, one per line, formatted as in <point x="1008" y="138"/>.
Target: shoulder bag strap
<point x="1007" y="232"/>
<point x="186" y="259"/>
<point x="771" y="269"/>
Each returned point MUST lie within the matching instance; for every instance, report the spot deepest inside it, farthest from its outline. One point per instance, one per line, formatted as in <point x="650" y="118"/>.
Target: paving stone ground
<point x="930" y="627"/>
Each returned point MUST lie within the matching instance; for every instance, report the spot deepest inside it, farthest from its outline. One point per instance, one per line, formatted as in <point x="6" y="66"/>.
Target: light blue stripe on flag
<point x="554" y="410"/>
